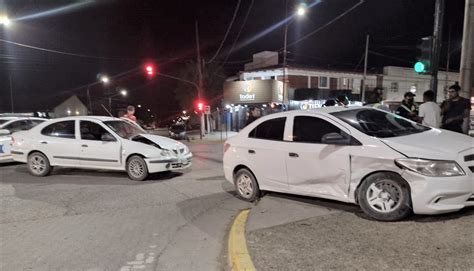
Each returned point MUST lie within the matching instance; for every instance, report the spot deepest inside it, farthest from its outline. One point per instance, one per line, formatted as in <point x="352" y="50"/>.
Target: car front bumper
<point x="438" y="195"/>
<point x="160" y="164"/>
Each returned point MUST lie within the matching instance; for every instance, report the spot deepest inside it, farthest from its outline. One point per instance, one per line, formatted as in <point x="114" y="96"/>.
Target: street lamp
<point x="5" y="21"/>
<point x="123" y="92"/>
<point x="104" y="79"/>
<point x="301" y="10"/>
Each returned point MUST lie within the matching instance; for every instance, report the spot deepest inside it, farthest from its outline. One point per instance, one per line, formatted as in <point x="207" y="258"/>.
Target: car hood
<point x="164" y="142"/>
<point x="433" y="144"/>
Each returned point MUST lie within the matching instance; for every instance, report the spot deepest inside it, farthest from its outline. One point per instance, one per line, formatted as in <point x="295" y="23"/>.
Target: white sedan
<point x="10" y="125"/>
<point x="98" y="143"/>
<point x="386" y="164"/>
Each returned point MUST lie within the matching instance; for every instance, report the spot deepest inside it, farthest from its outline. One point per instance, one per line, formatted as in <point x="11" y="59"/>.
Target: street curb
<point x="239" y="257"/>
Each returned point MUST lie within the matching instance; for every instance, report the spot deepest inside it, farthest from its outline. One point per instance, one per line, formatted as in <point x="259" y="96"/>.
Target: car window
<point x="35" y="122"/>
<point x="270" y="130"/>
<point x="63" y="129"/>
<point x="19" y="125"/>
<point x="3" y="121"/>
<point x="124" y="129"/>
<point x="92" y="131"/>
<point x="311" y="129"/>
<point x="379" y="123"/>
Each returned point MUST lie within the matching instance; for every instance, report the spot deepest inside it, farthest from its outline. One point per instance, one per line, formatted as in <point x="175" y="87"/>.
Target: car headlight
<point x="166" y="153"/>
<point x="431" y="168"/>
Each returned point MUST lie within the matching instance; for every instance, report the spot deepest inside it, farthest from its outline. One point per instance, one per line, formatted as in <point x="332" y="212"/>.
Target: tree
<point x="213" y="81"/>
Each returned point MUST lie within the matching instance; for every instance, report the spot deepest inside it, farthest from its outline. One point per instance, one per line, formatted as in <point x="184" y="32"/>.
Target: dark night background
<point x="124" y="34"/>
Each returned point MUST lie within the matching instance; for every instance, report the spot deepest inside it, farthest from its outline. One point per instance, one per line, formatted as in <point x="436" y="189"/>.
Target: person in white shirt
<point x="429" y="113"/>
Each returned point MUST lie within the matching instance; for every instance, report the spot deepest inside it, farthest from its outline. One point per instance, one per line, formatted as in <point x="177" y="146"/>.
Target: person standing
<point x="454" y="110"/>
<point x="253" y="115"/>
<point x="130" y="114"/>
<point x="375" y="101"/>
<point x="429" y="113"/>
<point x="408" y="108"/>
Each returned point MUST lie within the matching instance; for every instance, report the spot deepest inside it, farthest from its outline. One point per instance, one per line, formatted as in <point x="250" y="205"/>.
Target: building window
<point x="394" y="87"/>
<point x="323" y="82"/>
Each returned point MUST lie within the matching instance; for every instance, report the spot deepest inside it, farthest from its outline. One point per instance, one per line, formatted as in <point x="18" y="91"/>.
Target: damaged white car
<point x="386" y="164"/>
<point x="98" y="143"/>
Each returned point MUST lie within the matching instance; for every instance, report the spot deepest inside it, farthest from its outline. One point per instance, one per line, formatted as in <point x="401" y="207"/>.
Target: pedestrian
<point x="429" y="113"/>
<point x="375" y="101"/>
<point x="130" y="114"/>
<point x="454" y="110"/>
<point x="254" y="113"/>
<point x="408" y="109"/>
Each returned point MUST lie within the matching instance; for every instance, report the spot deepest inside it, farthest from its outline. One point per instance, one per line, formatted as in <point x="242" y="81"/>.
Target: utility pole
<point x="448" y="57"/>
<point x="285" y="80"/>
<point x="467" y="61"/>
<point x="200" y="84"/>
<point x="365" y="67"/>
<point x="11" y="93"/>
<point x="89" y="100"/>
<point x="437" y="38"/>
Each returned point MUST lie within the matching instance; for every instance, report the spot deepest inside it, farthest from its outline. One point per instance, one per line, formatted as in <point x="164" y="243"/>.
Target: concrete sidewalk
<point x="299" y="233"/>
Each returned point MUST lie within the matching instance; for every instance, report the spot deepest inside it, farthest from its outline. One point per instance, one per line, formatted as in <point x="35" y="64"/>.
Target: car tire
<point x="246" y="185"/>
<point x="385" y="196"/>
<point x="137" y="169"/>
<point x="38" y="164"/>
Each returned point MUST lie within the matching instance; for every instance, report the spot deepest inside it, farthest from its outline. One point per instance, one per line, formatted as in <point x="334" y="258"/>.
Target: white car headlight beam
<point x="431" y="168"/>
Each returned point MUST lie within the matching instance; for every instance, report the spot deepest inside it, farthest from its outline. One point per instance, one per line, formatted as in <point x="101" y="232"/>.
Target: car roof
<point x="321" y="110"/>
<point x="21" y="118"/>
<point x="96" y="118"/>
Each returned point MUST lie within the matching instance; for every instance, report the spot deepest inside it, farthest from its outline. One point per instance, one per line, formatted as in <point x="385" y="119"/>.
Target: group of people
<point x="450" y="115"/>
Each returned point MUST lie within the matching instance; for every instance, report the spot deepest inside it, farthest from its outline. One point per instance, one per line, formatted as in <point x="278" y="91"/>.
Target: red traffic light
<point x="200" y="105"/>
<point x="150" y="70"/>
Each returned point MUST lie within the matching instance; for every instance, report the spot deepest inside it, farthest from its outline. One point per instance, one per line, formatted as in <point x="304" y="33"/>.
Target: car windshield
<point x="124" y="129"/>
<point x="379" y="123"/>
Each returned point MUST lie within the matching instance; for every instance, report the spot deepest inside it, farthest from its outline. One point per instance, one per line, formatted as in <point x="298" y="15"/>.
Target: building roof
<point x="306" y="68"/>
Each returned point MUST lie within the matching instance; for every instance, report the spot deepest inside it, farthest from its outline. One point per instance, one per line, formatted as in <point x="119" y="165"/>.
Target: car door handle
<point x="292" y="154"/>
<point x="84" y="145"/>
<point x="43" y="142"/>
<point x="251" y="151"/>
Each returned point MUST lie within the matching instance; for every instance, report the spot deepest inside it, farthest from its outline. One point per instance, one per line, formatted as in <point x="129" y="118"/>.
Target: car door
<point x="99" y="148"/>
<point x="59" y="142"/>
<point x="315" y="168"/>
<point x="265" y="151"/>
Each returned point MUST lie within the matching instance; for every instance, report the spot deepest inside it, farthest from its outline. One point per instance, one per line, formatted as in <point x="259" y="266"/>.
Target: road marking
<point x="239" y="257"/>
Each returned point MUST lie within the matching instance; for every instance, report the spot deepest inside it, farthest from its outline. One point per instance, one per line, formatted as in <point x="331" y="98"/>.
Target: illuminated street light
<point x="148" y="110"/>
<point x="139" y="106"/>
<point x="301" y="11"/>
<point x="123" y="92"/>
<point x="105" y="79"/>
<point x="184" y="112"/>
<point x="5" y="21"/>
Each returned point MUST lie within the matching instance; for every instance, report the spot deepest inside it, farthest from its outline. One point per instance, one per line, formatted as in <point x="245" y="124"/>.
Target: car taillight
<point x="226" y="147"/>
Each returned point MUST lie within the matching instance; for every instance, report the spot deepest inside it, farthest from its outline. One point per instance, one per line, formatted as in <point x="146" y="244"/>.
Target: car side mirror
<point x="107" y="137"/>
<point x="335" y="139"/>
<point x="4" y="132"/>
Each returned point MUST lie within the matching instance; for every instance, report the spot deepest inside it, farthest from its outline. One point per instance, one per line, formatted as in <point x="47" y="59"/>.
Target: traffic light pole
<point x="437" y="39"/>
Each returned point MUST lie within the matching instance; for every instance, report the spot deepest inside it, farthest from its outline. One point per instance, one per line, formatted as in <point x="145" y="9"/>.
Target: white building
<point x="70" y="107"/>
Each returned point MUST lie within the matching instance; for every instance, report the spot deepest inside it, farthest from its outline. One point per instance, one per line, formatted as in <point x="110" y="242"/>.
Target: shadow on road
<point x="351" y="208"/>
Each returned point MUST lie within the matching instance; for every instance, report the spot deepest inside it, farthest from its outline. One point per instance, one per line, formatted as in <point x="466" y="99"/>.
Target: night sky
<point x="113" y="37"/>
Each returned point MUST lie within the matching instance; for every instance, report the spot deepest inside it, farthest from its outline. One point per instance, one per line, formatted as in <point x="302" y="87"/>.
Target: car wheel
<point x="385" y="196"/>
<point x="246" y="185"/>
<point x="38" y="164"/>
<point x="136" y="168"/>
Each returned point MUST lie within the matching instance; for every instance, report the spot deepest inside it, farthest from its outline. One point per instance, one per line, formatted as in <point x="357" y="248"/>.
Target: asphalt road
<point x="101" y="220"/>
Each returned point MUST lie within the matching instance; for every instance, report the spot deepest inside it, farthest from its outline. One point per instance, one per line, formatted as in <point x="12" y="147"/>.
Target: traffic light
<point x="425" y="54"/>
<point x="200" y="106"/>
<point x="150" y="70"/>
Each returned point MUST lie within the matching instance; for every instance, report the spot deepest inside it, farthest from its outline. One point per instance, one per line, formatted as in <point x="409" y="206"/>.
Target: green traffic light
<point x="419" y="67"/>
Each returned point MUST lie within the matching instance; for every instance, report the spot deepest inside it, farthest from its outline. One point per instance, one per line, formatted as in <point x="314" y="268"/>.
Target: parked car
<point x="10" y="125"/>
<point x="386" y="164"/>
<point x="178" y="130"/>
<point x="98" y="143"/>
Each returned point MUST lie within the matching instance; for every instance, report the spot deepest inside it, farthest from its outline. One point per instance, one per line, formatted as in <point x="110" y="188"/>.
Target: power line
<point x="387" y="56"/>
<point x="227" y="32"/>
<point x="65" y="53"/>
<point x="240" y="31"/>
<point x="326" y="25"/>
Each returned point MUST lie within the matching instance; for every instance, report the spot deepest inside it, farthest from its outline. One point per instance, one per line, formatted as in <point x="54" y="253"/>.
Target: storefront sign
<point x="253" y="91"/>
